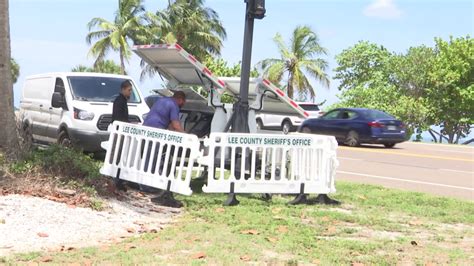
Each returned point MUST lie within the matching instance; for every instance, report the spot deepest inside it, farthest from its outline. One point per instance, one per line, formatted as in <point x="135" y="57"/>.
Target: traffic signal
<point x="256" y="8"/>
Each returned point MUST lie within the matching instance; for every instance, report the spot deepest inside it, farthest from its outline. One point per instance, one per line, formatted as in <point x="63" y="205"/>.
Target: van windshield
<point x="99" y="89"/>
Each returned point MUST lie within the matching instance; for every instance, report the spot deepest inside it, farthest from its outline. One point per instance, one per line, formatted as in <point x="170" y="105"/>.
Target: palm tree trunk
<point x="122" y="62"/>
<point x="289" y="87"/>
<point x="8" y="132"/>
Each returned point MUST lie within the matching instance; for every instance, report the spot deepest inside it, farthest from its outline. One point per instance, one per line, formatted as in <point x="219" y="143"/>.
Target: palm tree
<point x="82" y="68"/>
<point x="107" y="66"/>
<point x="298" y="60"/>
<point x="129" y="26"/>
<point x="195" y="27"/>
<point x="8" y="133"/>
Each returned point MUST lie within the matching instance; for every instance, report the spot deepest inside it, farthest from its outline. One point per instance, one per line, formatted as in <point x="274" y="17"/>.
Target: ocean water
<point x="427" y="138"/>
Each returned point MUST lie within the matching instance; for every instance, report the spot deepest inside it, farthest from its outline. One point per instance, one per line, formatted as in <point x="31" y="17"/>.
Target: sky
<point x="49" y="35"/>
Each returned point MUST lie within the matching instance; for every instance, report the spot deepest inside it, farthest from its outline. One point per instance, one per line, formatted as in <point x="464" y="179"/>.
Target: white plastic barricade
<point x="267" y="163"/>
<point x="152" y="157"/>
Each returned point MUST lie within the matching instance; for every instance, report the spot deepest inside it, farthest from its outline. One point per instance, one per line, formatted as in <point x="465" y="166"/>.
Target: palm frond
<point x="264" y="64"/>
<point x="282" y="48"/>
<point x="100" y="49"/>
<point x="275" y="72"/>
<point x="302" y="84"/>
<point x="316" y="68"/>
<point x="97" y="35"/>
<point x="101" y="23"/>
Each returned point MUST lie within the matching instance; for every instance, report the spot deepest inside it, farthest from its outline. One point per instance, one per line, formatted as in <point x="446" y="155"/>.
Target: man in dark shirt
<point x="120" y="113"/>
<point x="120" y="109"/>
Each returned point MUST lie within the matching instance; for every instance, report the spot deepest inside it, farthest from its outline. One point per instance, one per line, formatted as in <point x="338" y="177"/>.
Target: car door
<point x="325" y="124"/>
<point x="344" y="124"/>
<point x="55" y="114"/>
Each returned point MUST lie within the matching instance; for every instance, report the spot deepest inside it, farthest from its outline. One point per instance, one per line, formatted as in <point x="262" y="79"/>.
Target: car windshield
<point x="99" y="89"/>
<point x="310" y="107"/>
<point x="375" y="114"/>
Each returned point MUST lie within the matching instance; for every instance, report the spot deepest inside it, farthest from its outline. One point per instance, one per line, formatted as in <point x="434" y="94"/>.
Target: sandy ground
<point x="36" y="224"/>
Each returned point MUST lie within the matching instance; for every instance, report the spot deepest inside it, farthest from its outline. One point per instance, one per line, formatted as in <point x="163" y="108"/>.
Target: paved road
<point x="446" y="170"/>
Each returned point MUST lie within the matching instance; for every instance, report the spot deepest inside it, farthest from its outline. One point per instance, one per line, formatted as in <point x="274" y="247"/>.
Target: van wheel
<point x="259" y="124"/>
<point x="64" y="140"/>
<point x="352" y="139"/>
<point x="286" y="127"/>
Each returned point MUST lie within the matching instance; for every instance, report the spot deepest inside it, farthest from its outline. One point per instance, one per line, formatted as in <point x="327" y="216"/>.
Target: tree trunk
<point x="433" y="135"/>
<point x="441" y="137"/>
<point x="451" y="137"/>
<point x="458" y="136"/>
<point x="289" y="87"/>
<point x="468" y="142"/>
<point x="122" y="62"/>
<point x="8" y="129"/>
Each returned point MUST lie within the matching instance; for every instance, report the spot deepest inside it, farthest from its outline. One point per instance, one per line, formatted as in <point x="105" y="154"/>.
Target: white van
<point x="74" y="108"/>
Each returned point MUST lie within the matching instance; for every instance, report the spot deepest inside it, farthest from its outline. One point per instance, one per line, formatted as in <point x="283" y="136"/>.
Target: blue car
<point x="354" y="126"/>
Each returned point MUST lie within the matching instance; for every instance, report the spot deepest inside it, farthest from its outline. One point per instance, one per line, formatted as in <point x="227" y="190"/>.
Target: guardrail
<point x="265" y="163"/>
<point x="153" y="157"/>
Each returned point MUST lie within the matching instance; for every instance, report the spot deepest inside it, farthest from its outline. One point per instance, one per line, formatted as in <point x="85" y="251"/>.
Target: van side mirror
<point x="58" y="101"/>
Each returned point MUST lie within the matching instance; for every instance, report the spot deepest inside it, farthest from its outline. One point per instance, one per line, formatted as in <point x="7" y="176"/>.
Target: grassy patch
<point x="374" y="225"/>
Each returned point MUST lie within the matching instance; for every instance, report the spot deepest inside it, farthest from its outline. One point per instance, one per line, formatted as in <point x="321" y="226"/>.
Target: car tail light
<point x="374" y="124"/>
<point x="402" y="125"/>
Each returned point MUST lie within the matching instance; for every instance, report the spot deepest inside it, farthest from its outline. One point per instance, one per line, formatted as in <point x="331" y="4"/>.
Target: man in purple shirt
<point x="164" y="114"/>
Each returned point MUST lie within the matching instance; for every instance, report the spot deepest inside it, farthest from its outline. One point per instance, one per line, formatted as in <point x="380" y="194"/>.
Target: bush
<point x="61" y="161"/>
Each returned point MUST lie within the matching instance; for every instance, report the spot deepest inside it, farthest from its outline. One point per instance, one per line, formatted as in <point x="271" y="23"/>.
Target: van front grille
<point x="105" y="120"/>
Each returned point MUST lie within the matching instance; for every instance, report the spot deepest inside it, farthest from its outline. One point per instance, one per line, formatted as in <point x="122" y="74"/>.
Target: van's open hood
<point x="181" y="68"/>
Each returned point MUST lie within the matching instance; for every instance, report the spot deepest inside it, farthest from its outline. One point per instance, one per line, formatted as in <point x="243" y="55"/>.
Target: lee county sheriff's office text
<point x="152" y="134"/>
<point x="269" y="141"/>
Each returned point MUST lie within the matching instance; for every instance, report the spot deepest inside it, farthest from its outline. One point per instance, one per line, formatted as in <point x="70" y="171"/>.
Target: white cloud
<point x="385" y="9"/>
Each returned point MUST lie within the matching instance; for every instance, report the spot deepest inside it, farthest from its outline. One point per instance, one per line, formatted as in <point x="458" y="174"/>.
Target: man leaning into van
<point x="165" y="115"/>
<point x="120" y="113"/>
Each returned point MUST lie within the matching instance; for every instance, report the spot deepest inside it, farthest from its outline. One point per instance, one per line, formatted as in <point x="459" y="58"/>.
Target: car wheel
<point x="352" y="139"/>
<point x="306" y="130"/>
<point x="389" y="145"/>
<point x="259" y="124"/>
<point x="64" y="140"/>
<point x="286" y="127"/>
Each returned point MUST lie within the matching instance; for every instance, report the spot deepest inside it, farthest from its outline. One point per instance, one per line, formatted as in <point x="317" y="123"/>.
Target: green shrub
<point x="67" y="162"/>
<point x="21" y="167"/>
<point x="58" y="160"/>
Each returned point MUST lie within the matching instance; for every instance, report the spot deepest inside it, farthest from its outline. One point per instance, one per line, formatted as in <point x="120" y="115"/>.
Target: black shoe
<point x="120" y="186"/>
<point x="167" y="199"/>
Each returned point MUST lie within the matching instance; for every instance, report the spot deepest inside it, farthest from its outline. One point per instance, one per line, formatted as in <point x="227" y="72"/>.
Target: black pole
<point x="241" y="108"/>
<point x="246" y="55"/>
